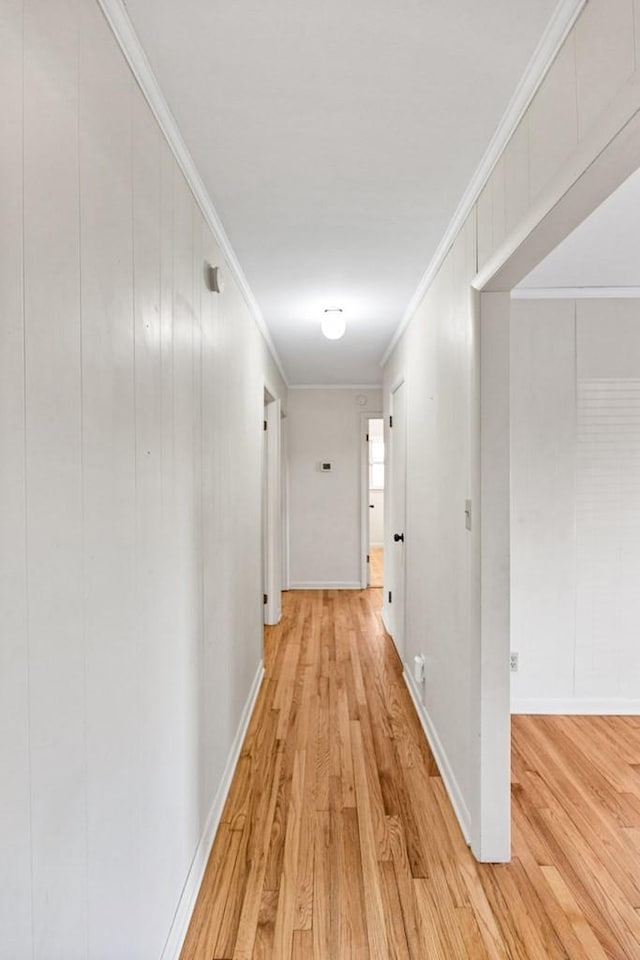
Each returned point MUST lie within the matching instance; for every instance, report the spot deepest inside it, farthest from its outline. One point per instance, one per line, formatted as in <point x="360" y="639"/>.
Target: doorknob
<point x="398" y="536"/>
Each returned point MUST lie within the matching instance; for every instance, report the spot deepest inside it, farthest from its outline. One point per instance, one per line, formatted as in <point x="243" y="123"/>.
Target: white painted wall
<point x="435" y="357"/>
<point x="130" y="438"/>
<point x="575" y="476"/>
<point x="325" y="509"/>
<point x="587" y="96"/>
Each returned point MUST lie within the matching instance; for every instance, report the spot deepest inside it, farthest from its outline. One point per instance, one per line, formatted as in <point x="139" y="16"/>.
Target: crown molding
<point x="556" y="32"/>
<point x="575" y="293"/>
<point x="127" y="38"/>
<point x="335" y="386"/>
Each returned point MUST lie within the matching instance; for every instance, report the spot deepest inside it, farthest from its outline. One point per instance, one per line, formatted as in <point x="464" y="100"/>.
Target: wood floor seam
<point x="338" y="840"/>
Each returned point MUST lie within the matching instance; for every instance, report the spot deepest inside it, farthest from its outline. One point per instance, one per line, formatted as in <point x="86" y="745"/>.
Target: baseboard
<point x="448" y="778"/>
<point x="326" y="585"/>
<point x="187" y="902"/>
<point x="573" y="706"/>
<point x="385" y="621"/>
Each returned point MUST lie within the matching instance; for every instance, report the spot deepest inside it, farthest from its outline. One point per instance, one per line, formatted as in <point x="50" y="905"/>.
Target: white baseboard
<point x="574" y="706"/>
<point x="385" y="621"/>
<point x="448" y="778"/>
<point x="187" y="902"/>
<point x="326" y="585"/>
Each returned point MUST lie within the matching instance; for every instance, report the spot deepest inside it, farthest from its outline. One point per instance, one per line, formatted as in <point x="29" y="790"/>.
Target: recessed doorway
<point x="376" y="501"/>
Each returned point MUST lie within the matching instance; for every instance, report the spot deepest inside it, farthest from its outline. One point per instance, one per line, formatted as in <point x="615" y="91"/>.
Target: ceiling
<point x="603" y="252"/>
<point x="335" y="140"/>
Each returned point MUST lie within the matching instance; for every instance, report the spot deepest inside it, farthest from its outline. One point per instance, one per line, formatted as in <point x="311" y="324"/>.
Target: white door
<point x="397" y="547"/>
<point x="272" y="512"/>
<point x="265" y="516"/>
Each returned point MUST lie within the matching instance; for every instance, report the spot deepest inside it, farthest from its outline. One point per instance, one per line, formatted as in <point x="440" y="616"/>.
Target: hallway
<point x="338" y="839"/>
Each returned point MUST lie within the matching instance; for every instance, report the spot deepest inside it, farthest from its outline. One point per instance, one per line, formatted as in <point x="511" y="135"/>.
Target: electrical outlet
<point x="513" y="662"/>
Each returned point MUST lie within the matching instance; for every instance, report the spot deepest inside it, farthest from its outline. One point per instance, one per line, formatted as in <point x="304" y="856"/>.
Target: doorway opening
<point x="579" y="477"/>
<point x="273" y="509"/>
<point x="575" y="517"/>
<point x="375" y="434"/>
<point x="394" y="597"/>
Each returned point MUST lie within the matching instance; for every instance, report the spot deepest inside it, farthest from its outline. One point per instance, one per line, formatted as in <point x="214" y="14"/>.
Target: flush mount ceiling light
<point x="333" y="323"/>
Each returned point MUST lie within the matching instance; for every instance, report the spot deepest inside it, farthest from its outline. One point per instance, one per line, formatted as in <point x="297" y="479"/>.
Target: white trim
<point x="335" y="386"/>
<point x="392" y="562"/>
<point x="326" y="585"/>
<point x="397" y="383"/>
<point x="124" y="32"/>
<point x="575" y="293"/>
<point x="563" y="19"/>
<point x="448" y="777"/>
<point x="376" y="544"/>
<point x="272" y="528"/>
<point x="384" y="616"/>
<point x="608" y="707"/>
<point x="365" y="528"/>
<point x="364" y="498"/>
<point x="190" y="890"/>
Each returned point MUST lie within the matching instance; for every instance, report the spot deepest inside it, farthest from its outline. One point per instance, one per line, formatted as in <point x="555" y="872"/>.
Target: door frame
<point x="601" y="163"/>
<point x="364" y="492"/>
<point x="272" y="527"/>
<point x="390" y="567"/>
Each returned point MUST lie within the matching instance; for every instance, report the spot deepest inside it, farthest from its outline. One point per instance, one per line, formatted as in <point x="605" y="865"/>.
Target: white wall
<point x="435" y="357"/>
<point x="325" y="509"/>
<point x="585" y="99"/>
<point x="575" y="476"/>
<point x="130" y="438"/>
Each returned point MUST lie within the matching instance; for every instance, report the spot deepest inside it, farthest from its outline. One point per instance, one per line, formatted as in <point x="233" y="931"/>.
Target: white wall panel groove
<point x="130" y="430"/>
<point x="576" y="508"/>
<point x="608" y="539"/>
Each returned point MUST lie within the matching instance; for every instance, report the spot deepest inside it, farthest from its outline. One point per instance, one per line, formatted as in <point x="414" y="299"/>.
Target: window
<point x="376" y="463"/>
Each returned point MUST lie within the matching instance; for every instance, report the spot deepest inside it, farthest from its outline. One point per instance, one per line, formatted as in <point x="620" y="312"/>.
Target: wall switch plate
<point x="467" y="514"/>
<point x="513" y="662"/>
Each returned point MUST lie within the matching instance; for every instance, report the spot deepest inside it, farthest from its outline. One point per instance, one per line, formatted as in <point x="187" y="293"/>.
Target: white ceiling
<point x="335" y="139"/>
<point x="603" y="252"/>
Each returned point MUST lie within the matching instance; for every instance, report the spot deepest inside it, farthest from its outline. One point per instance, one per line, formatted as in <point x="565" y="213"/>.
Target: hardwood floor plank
<point x="397" y="937"/>
<point x="590" y="944"/>
<point x="373" y="899"/>
<point x="250" y="912"/>
<point x="263" y="947"/>
<point x="322" y="885"/>
<point x="352" y="942"/>
<point x="338" y="840"/>
<point x="283" y="934"/>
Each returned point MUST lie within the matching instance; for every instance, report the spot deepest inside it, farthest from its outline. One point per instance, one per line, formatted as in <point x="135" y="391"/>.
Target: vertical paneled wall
<point x="575" y="551"/>
<point x="597" y="63"/>
<point x="599" y="57"/>
<point x="435" y="357"/>
<point x="130" y="438"/>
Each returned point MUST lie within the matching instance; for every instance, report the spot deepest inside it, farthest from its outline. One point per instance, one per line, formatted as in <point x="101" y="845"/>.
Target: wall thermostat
<point x="325" y="466"/>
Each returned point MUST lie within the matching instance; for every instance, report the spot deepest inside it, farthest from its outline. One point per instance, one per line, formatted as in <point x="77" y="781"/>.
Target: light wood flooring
<point x="338" y="840"/>
<point x="376" y="566"/>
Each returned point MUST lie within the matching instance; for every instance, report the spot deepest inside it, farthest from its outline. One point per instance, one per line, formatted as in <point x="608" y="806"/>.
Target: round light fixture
<point x="333" y="323"/>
